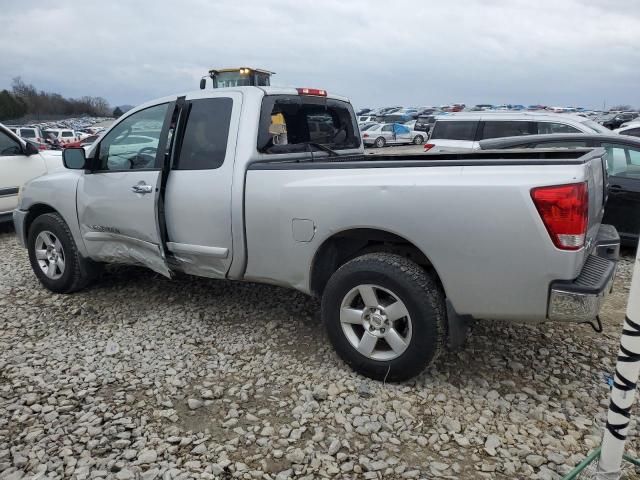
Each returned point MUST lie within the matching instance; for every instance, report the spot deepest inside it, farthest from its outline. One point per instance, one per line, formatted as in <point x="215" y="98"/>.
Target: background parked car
<point x="84" y="142"/>
<point x="391" y="134"/>
<point x="366" y="119"/>
<point x="623" y="165"/>
<point x="64" y="135"/>
<point x="424" y="123"/>
<point x="618" y="120"/>
<point x="463" y="131"/>
<point x="20" y="161"/>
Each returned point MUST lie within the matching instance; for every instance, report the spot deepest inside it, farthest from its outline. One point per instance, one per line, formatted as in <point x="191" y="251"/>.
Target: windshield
<point x="27" y="133"/>
<point x="596" y="127"/>
<point x="368" y="127"/>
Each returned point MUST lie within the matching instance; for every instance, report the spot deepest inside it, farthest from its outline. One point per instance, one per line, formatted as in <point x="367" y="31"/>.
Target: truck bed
<point x="470" y="213"/>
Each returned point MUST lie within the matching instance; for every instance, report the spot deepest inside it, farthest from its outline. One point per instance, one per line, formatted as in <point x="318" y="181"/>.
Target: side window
<point x="616" y="160"/>
<point x="499" y="129"/>
<point x="634" y="132"/>
<point x="454" y="130"/>
<point x="387" y="128"/>
<point x="204" y="144"/>
<point x="67" y="134"/>
<point x="553" y="127"/>
<point x="132" y="144"/>
<point x="8" y="146"/>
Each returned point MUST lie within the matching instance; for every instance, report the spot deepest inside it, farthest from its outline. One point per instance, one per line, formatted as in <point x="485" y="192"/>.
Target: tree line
<point x="25" y="99"/>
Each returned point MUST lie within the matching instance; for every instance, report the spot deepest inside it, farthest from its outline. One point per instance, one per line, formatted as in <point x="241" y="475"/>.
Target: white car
<point x="33" y="133"/>
<point x="20" y="161"/>
<point x="63" y="135"/>
<point x="366" y="119"/>
<point x="463" y="131"/>
<point x="631" y="128"/>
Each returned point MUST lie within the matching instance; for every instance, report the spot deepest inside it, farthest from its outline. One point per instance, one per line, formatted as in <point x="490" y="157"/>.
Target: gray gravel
<point x="139" y="377"/>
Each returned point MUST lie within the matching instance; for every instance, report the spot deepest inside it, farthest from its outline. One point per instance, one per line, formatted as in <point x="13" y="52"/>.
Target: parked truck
<point x="271" y="185"/>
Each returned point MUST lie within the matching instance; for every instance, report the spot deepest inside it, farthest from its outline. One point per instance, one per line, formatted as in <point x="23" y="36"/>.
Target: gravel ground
<point x="141" y="377"/>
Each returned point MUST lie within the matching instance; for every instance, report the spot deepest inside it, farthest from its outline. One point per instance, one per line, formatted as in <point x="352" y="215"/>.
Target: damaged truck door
<point x="118" y="195"/>
<point x="198" y="192"/>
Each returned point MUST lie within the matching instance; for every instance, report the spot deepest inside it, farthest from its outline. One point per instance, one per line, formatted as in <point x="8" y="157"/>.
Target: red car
<point x="81" y="143"/>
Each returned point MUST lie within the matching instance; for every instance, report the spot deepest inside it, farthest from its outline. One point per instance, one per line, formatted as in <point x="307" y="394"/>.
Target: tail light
<point x="428" y="146"/>
<point x="312" y="91"/>
<point x="564" y="210"/>
<point x="365" y="135"/>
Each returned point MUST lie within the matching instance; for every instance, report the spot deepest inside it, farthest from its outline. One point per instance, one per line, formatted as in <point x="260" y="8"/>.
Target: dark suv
<point x="424" y="123"/>
<point x="618" y="120"/>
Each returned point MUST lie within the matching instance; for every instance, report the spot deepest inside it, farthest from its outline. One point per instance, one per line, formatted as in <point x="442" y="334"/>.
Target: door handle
<point x="142" y="188"/>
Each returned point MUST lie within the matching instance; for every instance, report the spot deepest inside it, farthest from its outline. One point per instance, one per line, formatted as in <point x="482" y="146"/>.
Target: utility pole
<point x="625" y="381"/>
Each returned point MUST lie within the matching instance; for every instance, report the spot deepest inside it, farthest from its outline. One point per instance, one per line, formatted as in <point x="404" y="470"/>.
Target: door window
<point x="500" y="129"/>
<point x="387" y="128"/>
<point x="553" y="127"/>
<point x="622" y="161"/>
<point x="8" y="146"/>
<point x="454" y="130"/>
<point x="634" y="132"/>
<point x="204" y="145"/>
<point x="132" y="144"/>
<point x="27" y="133"/>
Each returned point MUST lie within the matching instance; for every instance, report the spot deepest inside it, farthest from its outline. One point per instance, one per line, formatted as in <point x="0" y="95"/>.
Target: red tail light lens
<point x="428" y="146"/>
<point x="312" y="91"/>
<point x="564" y="210"/>
<point x="365" y="135"/>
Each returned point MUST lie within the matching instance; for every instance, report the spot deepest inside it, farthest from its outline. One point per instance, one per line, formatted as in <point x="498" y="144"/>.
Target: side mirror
<point x="203" y="83"/>
<point x="74" y="158"/>
<point x="30" y="149"/>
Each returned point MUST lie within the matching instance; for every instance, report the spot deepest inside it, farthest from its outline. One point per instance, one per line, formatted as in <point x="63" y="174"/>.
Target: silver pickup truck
<point x="272" y="185"/>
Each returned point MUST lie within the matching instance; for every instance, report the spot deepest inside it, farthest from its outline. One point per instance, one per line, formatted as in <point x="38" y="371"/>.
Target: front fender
<point x="55" y="191"/>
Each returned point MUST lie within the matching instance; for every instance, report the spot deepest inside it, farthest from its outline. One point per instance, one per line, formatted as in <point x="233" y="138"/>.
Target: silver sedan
<point x="391" y="134"/>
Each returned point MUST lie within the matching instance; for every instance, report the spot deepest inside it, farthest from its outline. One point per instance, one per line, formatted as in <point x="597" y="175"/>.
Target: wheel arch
<point x="345" y="245"/>
<point x="34" y="212"/>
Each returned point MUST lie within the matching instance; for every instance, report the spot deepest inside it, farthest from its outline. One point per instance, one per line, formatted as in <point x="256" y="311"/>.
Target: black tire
<point x="415" y="287"/>
<point x="418" y="140"/>
<point x="380" y="142"/>
<point x="78" y="271"/>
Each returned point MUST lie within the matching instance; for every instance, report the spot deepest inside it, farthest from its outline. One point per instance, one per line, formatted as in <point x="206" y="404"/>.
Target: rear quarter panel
<point x="477" y="225"/>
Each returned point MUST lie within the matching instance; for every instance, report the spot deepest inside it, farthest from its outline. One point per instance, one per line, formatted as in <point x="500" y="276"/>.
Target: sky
<point x="377" y="53"/>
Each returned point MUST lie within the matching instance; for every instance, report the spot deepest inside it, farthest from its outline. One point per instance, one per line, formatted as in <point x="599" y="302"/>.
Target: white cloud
<point x="375" y="52"/>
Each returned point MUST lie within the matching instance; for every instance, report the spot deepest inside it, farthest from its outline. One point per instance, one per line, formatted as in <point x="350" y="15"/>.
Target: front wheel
<point x="385" y="316"/>
<point x="418" y="140"/>
<point x="54" y="258"/>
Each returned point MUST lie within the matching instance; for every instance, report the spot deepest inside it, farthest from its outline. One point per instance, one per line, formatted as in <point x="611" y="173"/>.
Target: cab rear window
<point x="290" y="123"/>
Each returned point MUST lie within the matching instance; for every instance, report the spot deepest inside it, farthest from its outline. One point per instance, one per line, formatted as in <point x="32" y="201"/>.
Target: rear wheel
<point x="385" y="316"/>
<point x="54" y="258"/>
<point x="380" y="142"/>
<point x="418" y="140"/>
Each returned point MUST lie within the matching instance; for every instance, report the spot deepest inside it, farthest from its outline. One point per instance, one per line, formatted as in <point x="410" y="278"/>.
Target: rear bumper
<point x="19" y="217"/>
<point x="580" y="300"/>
